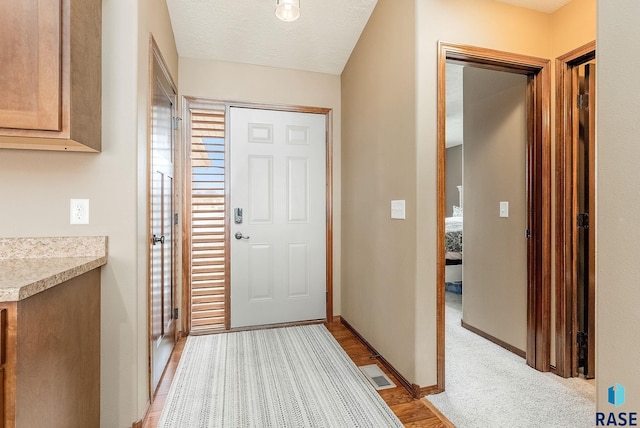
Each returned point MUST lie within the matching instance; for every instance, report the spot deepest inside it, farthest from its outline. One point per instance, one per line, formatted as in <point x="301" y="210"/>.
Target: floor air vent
<point x="378" y="379"/>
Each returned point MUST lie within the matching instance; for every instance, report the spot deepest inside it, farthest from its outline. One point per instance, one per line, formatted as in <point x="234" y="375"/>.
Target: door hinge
<point x="583" y="101"/>
<point x="176" y="122"/>
<point x="175" y="219"/>
<point x="175" y="313"/>
<point x="527" y="234"/>
<point x="582" y="339"/>
<point x="582" y="220"/>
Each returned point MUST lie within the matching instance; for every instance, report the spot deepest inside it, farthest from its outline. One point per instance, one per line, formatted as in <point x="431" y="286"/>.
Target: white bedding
<point x="453" y="224"/>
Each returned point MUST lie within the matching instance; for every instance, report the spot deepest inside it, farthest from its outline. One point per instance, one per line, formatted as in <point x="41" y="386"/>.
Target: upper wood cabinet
<point x="50" y="74"/>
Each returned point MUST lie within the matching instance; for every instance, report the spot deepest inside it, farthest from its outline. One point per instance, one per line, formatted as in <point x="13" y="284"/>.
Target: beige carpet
<point x="488" y="386"/>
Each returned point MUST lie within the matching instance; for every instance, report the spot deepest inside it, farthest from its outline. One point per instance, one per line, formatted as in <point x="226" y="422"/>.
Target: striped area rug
<point x="284" y="377"/>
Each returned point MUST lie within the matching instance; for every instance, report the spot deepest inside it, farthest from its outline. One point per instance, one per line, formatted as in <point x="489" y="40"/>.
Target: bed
<point x="453" y="249"/>
<point x="453" y="240"/>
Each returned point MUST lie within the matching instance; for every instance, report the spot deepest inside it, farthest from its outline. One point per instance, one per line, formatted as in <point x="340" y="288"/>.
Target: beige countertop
<point x="31" y="265"/>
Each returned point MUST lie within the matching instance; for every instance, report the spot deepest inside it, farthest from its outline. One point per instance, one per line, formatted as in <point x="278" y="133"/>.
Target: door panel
<point x="260" y="269"/>
<point x="156" y="258"/>
<point x="585" y="229"/>
<point x="590" y="371"/>
<point x="167" y="261"/>
<point x="260" y="207"/>
<point x="161" y="287"/>
<point x="278" y="179"/>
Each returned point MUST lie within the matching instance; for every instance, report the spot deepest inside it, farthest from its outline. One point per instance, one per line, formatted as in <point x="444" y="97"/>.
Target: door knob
<point x="157" y="239"/>
<point x="238" y="235"/>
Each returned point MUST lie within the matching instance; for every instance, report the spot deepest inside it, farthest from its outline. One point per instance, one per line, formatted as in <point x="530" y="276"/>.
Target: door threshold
<point x="259" y="327"/>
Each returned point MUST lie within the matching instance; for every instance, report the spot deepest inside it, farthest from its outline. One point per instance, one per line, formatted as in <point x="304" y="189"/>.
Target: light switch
<point x="504" y="209"/>
<point x="79" y="211"/>
<point x="397" y="210"/>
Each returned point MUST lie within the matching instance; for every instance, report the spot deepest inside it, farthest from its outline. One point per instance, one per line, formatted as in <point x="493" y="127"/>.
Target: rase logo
<point x="616" y="397"/>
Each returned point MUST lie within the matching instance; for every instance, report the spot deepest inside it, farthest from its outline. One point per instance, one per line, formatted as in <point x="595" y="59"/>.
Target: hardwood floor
<point x="411" y="412"/>
<point x="151" y="421"/>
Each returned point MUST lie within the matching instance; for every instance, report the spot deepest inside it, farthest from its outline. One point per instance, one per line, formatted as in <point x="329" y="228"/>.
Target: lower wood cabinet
<point x="50" y="356"/>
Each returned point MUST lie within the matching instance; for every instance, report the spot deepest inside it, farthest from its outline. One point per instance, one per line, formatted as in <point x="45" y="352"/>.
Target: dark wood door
<point x="585" y="220"/>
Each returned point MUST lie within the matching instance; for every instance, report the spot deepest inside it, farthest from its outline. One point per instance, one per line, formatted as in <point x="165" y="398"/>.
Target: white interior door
<point x="278" y="246"/>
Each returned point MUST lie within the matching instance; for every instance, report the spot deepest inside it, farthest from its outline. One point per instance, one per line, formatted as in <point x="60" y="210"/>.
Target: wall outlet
<point x="79" y="211"/>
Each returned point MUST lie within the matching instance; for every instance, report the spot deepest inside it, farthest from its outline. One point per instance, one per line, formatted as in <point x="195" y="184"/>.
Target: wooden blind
<point x="209" y="251"/>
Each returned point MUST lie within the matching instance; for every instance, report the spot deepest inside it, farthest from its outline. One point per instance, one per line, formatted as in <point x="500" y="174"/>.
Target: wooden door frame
<point x="538" y="193"/>
<point x="565" y="213"/>
<point x="156" y="55"/>
<point x="186" y="224"/>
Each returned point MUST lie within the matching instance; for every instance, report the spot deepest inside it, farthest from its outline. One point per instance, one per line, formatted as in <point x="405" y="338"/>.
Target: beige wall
<point x="487" y="24"/>
<point x="226" y="81"/>
<point x="454" y="177"/>
<point x="377" y="97"/>
<point x="378" y="152"/>
<point x="573" y="25"/>
<point x="153" y="21"/>
<point x="494" y="272"/>
<point x="618" y="203"/>
<point x="35" y="188"/>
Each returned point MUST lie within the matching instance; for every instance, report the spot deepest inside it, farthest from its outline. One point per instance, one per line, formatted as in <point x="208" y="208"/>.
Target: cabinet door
<point x="30" y="64"/>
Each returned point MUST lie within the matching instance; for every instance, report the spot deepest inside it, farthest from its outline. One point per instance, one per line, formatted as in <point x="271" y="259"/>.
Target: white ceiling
<point x="247" y="31"/>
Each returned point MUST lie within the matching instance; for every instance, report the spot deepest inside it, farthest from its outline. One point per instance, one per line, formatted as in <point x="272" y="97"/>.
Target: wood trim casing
<point x="329" y="215"/>
<point x="416" y="391"/>
<point x="538" y="191"/>
<point x="445" y="421"/>
<point x="494" y="339"/>
<point x="185" y="161"/>
<point x="565" y="289"/>
<point x="441" y="198"/>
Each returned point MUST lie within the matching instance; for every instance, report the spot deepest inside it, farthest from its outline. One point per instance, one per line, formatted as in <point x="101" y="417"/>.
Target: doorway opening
<point x="486" y="147"/>
<point x="575" y="213"/>
<point x="536" y="229"/>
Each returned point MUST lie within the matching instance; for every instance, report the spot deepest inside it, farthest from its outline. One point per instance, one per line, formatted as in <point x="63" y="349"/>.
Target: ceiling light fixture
<point x="288" y="10"/>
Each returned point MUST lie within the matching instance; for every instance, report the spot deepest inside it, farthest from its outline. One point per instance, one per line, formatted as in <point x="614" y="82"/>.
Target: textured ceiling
<point x="248" y="31"/>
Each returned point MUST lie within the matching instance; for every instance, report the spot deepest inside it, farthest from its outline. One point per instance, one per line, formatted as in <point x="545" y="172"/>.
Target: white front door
<point x="278" y="240"/>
